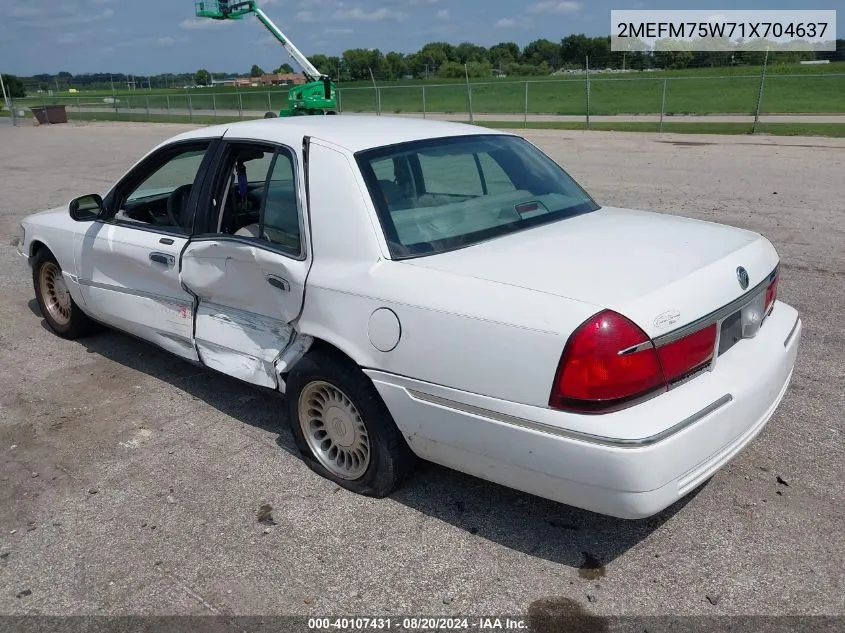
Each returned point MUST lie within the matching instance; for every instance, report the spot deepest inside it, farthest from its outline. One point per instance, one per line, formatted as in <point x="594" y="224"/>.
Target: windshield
<point x="441" y="194"/>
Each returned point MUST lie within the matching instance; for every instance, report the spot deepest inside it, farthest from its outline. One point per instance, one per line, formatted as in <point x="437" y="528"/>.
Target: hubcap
<point x="334" y="430"/>
<point x="55" y="294"/>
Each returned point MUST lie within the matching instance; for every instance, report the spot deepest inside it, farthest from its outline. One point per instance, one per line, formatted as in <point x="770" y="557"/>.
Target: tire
<point x="57" y="307"/>
<point x="270" y="115"/>
<point x="338" y="390"/>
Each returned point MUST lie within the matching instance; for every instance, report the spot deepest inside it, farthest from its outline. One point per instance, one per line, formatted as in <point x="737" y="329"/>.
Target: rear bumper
<point x="630" y="464"/>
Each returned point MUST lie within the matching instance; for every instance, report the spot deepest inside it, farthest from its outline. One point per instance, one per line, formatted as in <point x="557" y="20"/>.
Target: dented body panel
<point x="247" y="299"/>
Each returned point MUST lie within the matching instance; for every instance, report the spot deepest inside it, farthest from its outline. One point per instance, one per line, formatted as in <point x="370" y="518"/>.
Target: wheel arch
<point x="324" y="342"/>
<point x="36" y="245"/>
<point x="322" y="345"/>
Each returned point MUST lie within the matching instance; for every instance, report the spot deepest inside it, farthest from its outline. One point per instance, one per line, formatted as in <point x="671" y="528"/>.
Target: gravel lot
<point x="131" y="480"/>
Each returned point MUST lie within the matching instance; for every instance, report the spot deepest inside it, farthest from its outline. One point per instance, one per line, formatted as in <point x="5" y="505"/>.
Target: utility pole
<point x="469" y="94"/>
<point x="760" y="94"/>
<point x="378" y="93"/>
<point x="3" y="88"/>
<point x="8" y="100"/>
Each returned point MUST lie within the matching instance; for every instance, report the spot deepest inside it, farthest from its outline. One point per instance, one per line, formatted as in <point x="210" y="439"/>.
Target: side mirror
<point x="86" y="208"/>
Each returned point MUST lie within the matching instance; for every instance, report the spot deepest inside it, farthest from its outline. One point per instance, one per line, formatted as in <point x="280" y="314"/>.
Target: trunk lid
<point x="661" y="271"/>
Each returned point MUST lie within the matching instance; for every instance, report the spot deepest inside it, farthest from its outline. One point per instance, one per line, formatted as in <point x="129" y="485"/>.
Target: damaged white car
<point x="435" y="290"/>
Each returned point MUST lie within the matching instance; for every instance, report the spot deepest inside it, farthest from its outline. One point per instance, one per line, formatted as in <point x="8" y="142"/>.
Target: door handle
<point x="278" y="282"/>
<point x="163" y="258"/>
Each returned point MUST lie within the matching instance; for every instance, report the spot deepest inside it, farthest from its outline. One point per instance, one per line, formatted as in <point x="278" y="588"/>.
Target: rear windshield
<point x="441" y="194"/>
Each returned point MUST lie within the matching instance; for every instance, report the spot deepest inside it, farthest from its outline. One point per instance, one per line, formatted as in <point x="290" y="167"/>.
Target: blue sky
<point x="157" y="36"/>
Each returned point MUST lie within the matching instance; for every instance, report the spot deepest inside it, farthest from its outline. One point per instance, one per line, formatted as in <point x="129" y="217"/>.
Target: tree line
<point x="540" y="57"/>
<point x="444" y="60"/>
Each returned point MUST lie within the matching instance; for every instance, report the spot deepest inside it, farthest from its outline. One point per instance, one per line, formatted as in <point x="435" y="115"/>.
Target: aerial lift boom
<point x="318" y="95"/>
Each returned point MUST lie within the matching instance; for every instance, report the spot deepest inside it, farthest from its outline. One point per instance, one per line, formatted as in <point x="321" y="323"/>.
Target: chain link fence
<point x="581" y="97"/>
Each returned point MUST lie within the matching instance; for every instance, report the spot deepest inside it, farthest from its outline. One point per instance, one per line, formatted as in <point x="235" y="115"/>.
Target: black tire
<point x="76" y="324"/>
<point x="391" y="460"/>
<point x="271" y="115"/>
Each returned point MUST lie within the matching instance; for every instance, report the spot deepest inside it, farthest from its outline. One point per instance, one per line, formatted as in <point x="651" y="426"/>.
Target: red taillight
<point x="687" y="354"/>
<point x="594" y="375"/>
<point x="771" y="293"/>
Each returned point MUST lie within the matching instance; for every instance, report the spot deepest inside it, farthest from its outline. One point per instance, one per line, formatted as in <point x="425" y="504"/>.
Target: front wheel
<point x="57" y="306"/>
<point x="343" y="429"/>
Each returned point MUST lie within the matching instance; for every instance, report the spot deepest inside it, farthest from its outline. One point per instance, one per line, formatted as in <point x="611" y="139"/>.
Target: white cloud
<point x="443" y="14"/>
<point x="69" y="38"/>
<point x="305" y="16"/>
<point x="103" y="1"/>
<point x="378" y="15"/>
<point x="194" y="24"/>
<point x="62" y="15"/>
<point x="555" y="6"/>
<point x="522" y="23"/>
<point x="25" y="12"/>
<point x="149" y="41"/>
<point x="337" y="31"/>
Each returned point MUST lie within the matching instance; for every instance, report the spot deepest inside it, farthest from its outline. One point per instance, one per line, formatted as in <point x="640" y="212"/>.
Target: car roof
<point x="351" y="131"/>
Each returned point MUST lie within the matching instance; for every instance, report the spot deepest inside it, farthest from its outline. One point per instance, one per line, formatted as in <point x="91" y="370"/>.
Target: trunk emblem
<point x="665" y="319"/>
<point x="742" y="276"/>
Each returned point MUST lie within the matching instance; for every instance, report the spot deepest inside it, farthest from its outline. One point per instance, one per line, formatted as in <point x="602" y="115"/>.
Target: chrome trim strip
<point x="792" y="332"/>
<point x="568" y="434"/>
<point x="717" y="315"/>
<point x="135" y="293"/>
<point x="636" y="348"/>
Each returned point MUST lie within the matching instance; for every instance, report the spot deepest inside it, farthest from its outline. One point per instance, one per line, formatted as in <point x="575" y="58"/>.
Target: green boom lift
<point x="317" y="96"/>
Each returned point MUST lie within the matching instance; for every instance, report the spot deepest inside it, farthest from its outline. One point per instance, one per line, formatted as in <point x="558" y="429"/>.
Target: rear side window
<point x="440" y="194"/>
<point x="258" y="196"/>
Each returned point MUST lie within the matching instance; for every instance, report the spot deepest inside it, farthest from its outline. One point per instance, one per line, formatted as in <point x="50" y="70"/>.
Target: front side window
<point x="159" y="194"/>
<point x="440" y="194"/>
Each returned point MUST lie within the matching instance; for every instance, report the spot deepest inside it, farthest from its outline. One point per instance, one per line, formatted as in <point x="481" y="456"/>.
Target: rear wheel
<point x="57" y="306"/>
<point x="343" y="429"/>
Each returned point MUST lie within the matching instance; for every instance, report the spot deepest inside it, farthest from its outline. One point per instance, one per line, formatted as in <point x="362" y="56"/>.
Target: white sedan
<point x="435" y="290"/>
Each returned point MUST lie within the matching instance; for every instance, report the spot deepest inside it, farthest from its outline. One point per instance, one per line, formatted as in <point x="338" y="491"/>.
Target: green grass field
<point x="788" y="89"/>
<point x="833" y="130"/>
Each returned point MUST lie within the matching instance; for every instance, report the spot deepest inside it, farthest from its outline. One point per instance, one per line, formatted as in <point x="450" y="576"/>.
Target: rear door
<point x="248" y="263"/>
<point x="128" y="262"/>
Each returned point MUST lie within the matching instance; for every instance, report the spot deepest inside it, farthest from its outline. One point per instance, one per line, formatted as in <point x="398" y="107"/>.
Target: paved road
<point x="141" y="113"/>
<point x="181" y="459"/>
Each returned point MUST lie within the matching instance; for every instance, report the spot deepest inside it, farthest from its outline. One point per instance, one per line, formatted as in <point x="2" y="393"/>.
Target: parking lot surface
<point x="132" y="482"/>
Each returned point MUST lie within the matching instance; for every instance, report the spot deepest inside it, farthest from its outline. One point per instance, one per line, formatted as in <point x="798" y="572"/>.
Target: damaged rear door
<point x="248" y="266"/>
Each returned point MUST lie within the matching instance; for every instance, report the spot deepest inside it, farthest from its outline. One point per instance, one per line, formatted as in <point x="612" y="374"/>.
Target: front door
<point x="247" y="266"/>
<point x="128" y="262"/>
